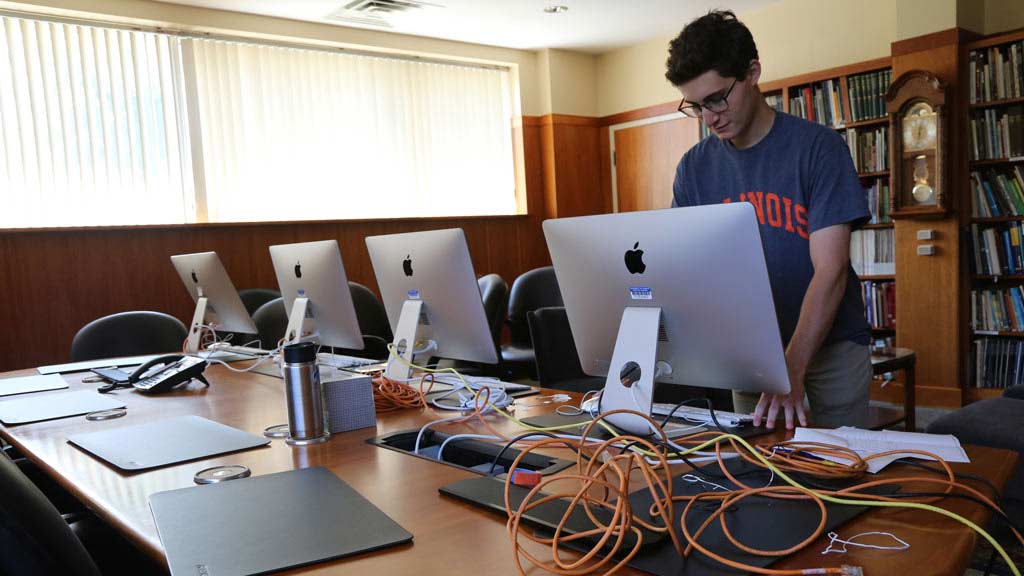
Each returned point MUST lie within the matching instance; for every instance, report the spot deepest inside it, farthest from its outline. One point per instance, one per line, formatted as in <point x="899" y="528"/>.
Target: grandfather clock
<point x="917" y="108"/>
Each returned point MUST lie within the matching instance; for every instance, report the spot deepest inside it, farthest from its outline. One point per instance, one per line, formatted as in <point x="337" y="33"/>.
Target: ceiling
<point x="593" y="26"/>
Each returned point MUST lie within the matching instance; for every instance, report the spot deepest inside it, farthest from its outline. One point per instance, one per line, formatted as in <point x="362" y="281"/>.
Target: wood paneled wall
<point x="571" y="159"/>
<point x="929" y="289"/>
<point x="54" y="282"/>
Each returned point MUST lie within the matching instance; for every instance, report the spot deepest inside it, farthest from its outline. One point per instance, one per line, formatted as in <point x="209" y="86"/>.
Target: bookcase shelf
<point x="882" y="331"/>
<point x="880" y="277"/>
<point x="995" y="162"/>
<point x="993" y="103"/>
<point x="997" y="219"/>
<point x="997" y="334"/>
<point x="865" y="123"/>
<point x="975" y="394"/>
<point x="880" y="173"/>
<point x="878" y="226"/>
<point x="999" y="277"/>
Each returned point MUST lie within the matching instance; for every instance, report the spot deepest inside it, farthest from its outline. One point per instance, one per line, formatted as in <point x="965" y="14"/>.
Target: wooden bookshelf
<point x="878" y="277"/>
<point x="882" y="226"/>
<point x="995" y="162"/>
<point x="986" y="169"/>
<point x="994" y="103"/>
<point x="879" y="174"/>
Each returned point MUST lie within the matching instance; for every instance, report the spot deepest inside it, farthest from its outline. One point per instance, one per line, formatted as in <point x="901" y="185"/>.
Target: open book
<point x="869" y="442"/>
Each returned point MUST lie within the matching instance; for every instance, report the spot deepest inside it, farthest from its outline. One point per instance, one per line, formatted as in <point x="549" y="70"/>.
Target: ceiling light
<point x="556" y="9"/>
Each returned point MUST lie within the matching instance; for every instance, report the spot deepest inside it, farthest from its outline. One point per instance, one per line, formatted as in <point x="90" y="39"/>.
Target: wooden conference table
<point x="449" y="536"/>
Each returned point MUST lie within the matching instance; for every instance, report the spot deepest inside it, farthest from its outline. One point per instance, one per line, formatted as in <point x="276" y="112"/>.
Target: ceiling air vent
<point x="375" y="12"/>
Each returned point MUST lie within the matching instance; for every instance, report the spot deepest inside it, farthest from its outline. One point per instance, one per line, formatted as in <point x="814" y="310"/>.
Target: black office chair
<point x="494" y="292"/>
<point x="34" y="537"/>
<point x="537" y="288"/>
<point x="271" y="321"/>
<point x="128" y="334"/>
<point x="253" y="298"/>
<point x="558" y="364"/>
<point x="373" y="323"/>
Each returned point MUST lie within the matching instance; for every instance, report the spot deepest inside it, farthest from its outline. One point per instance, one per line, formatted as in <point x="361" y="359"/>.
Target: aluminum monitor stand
<point x="195" y="329"/>
<point x="405" y="341"/>
<point x="631" y="374"/>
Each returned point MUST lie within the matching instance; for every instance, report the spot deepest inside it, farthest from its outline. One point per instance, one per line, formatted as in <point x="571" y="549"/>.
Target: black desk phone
<point x="174" y="369"/>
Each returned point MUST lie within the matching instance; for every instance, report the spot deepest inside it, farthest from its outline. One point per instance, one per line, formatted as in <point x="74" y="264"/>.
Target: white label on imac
<point x="413" y="294"/>
<point x="640" y="293"/>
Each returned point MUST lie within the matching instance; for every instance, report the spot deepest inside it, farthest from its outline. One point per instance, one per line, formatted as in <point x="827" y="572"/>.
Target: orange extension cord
<point x="603" y="482"/>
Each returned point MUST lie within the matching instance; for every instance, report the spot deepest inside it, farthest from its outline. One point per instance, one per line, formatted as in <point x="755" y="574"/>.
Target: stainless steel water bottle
<point x="307" y="414"/>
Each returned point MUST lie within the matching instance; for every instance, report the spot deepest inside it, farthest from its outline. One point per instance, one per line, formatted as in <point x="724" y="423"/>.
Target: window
<point x="89" y="127"/>
<point x="110" y="127"/>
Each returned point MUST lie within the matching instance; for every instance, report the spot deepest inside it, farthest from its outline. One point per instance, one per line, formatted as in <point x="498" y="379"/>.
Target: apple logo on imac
<point x="635" y="260"/>
<point x="407" y="265"/>
<point x="298" y="269"/>
<point x="195" y="279"/>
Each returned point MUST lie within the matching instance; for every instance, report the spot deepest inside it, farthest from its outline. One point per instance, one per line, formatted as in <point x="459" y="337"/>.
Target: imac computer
<point x="677" y="296"/>
<point x="217" y="301"/>
<point x="316" y="294"/>
<point x="430" y="292"/>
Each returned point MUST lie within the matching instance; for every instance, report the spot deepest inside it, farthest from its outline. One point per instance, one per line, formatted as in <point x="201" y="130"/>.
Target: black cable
<point x="997" y="513"/>
<point x="707" y="402"/>
<point x="995" y="493"/>
<point x="568" y="443"/>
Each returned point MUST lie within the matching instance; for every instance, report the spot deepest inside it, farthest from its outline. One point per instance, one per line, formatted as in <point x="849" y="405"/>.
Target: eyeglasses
<point x="716" y="104"/>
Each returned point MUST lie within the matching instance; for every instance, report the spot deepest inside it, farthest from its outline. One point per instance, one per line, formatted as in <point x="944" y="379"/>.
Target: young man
<point x="800" y="178"/>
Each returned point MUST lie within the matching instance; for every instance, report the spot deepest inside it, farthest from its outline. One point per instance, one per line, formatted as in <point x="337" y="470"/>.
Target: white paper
<point x="870" y="442"/>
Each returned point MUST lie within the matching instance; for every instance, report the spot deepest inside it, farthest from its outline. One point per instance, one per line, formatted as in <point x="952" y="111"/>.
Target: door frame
<point x="612" y="129"/>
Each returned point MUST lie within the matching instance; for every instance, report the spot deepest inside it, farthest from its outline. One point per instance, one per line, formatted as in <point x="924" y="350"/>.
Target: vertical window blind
<point x="119" y="127"/>
<point x="89" y="127"/>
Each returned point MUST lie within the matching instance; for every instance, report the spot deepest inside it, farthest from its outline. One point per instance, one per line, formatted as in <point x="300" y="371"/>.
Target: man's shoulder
<point x="708" y="146"/>
<point x="805" y="131"/>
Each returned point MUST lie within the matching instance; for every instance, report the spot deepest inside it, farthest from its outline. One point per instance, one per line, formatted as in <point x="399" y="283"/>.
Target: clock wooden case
<point x="917" y="108"/>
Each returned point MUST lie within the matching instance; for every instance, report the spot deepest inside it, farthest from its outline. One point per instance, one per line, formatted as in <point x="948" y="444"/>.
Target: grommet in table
<point x="221" y="474"/>
<point x="106" y="414"/>
<point x="278" y="431"/>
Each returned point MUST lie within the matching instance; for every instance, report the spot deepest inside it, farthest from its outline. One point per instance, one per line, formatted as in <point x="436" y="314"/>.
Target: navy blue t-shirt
<point x="800" y="179"/>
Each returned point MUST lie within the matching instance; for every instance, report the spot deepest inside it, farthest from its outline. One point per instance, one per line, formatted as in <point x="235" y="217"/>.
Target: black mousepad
<point x="268" y="523"/>
<point x="790" y="521"/>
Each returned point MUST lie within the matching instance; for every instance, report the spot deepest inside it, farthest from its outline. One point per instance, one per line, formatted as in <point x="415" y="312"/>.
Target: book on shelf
<point x="998" y="309"/>
<point x="996" y="248"/>
<point x="997" y="133"/>
<point x="774" y="100"/>
<point x="819" y="102"/>
<point x="867" y="94"/>
<point x="879" y="303"/>
<point x="879" y="201"/>
<point x="869" y="148"/>
<point x="996" y="73"/>
<point x="996" y="193"/>
<point x="998" y="362"/>
<point x="872" y="252"/>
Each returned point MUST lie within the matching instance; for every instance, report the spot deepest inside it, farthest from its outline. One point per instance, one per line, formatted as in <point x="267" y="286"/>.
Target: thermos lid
<point x="299" y="353"/>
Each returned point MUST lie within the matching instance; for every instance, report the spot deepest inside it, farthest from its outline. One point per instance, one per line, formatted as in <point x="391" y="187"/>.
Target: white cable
<point x="833" y="538"/>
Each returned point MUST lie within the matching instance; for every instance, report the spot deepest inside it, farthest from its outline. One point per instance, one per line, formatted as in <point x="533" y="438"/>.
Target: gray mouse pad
<point x="165" y="442"/>
<point x="268" y="523"/>
<point x="53" y="406"/>
<point x="27" y="384"/>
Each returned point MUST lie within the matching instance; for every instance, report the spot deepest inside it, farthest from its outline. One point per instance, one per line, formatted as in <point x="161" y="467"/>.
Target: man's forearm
<point x="818" y="311"/>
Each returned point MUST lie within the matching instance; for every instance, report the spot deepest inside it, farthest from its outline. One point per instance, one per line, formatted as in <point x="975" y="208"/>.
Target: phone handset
<point x="176" y="369"/>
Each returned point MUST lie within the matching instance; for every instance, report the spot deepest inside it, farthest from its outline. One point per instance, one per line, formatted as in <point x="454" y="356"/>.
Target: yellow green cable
<point x="758" y="455"/>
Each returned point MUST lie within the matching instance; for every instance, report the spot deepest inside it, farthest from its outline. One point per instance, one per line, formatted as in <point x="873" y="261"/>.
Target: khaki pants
<point x="838" y="387"/>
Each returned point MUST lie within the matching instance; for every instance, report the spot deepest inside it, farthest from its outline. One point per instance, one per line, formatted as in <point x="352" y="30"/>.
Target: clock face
<point x="919" y="127"/>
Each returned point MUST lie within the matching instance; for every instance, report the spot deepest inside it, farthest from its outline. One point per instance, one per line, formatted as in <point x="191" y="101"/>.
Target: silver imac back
<point x="314" y="270"/>
<point x="204" y="273"/>
<point x="703" y="266"/>
<point x="434" y="267"/>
